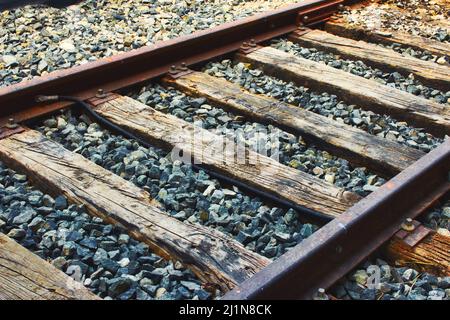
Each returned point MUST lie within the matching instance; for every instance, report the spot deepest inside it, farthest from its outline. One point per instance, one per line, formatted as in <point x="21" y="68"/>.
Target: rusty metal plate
<point x="246" y="49"/>
<point x="95" y="101"/>
<point x="414" y="237"/>
<point x="6" y="132"/>
<point x="301" y="31"/>
<point x="178" y="73"/>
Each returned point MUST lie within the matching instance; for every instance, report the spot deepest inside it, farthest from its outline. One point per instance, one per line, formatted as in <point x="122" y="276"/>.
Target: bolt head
<point x="408" y="225"/>
<point x="101" y="93"/>
<point x="173" y="69"/>
<point x="11" y="124"/>
<point x="183" y="66"/>
<point x="320" y="295"/>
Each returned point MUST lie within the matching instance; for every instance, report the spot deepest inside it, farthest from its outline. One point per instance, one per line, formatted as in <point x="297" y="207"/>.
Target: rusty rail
<point x="348" y="239"/>
<point x="140" y="65"/>
<point x="343" y="242"/>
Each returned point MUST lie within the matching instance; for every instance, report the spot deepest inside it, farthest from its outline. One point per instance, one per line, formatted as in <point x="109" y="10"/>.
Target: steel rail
<point x="140" y="65"/>
<point x="330" y="252"/>
<point x="336" y="248"/>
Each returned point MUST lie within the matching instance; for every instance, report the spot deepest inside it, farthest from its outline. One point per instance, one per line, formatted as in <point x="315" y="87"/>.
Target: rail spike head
<point x="173" y="69"/>
<point x="183" y="66"/>
<point x="11" y="124"/>
<point x="408" y="225"/>
<point x="321" y="294"/>
<point x="100" y="93"/>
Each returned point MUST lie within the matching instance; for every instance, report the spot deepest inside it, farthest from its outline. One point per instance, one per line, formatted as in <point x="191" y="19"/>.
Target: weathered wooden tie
<point x="213" y="256"/>
<point x="25" y="276"/>
<point x="341" y="28"/>
<point x="429" y="73"/>
<point x="432" y="254"/>
<point x="251" y="168"/>
<point x="368" y="94"/>
<point x="380" y="155"/>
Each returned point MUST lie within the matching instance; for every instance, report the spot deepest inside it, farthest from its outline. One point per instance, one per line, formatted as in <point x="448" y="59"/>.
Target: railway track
<point x="217" y="258"/>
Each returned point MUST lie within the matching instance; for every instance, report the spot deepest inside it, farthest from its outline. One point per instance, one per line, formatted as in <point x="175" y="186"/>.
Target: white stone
<point x="124" y="262"/>
<point x="67" y="45"/>
<point x="9" y="59"/>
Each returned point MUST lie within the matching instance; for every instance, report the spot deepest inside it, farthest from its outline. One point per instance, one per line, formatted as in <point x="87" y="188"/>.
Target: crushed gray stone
<point x="324" y="104"/>
<point x="185" y="194"/>
<point x="377" y="280"/>
<point x="97" y="254"/>
<point x="37" y="40"/>
<point x="359" y="68"/>
<point x="416" y="17"/>
<point x="293" y="150"/>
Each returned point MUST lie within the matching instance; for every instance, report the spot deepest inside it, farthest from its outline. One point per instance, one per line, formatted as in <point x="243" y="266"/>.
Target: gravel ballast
<point x="37" y="40"/>
<point x="416" y="17"/>
<point x="439" y="218"/>
<point x="293" y="150"/>
<point x="184" y="193"/>
<point x="102" y="147"/>
<point x="114" y="266"/>
<point x="324" y="104"/>
<point x="398" y="283"/>
<point x="101" y="256"/>
<point x="359" y="68"/>
<point x="393" y="283"/>
<point x="416" y="53"/>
